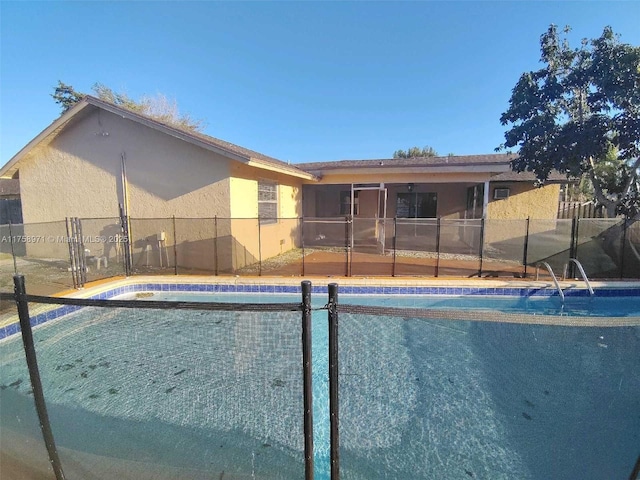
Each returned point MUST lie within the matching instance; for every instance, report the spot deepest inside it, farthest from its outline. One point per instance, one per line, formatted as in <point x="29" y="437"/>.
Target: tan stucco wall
<point x="78" y="174"/>
<point x="524" y="201"/>
<point x="275" y="238"/>
<point x="55" y="184"/>
<point x="506" y="218"/>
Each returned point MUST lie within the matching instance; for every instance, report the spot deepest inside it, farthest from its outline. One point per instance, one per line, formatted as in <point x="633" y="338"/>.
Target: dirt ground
<point x="51" y="277"/>
<point x="328" y="263"/>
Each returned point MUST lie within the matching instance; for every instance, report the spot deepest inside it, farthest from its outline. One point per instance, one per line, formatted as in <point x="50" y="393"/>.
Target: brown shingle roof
<point x="212" y="141"/>
<point x="455" y="160"/>
<point x="497" y="159"/>
<point x="554" y="177"/>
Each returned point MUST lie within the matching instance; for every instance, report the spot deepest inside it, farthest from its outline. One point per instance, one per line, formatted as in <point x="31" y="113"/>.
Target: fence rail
<point x="62" y="255"/>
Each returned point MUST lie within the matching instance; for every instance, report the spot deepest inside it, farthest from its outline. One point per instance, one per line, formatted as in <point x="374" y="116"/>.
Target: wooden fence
<point x="580" y="210"/>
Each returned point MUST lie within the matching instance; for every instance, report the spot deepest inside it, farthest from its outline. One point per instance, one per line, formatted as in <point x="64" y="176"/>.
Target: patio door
<point x="368" y="231"/>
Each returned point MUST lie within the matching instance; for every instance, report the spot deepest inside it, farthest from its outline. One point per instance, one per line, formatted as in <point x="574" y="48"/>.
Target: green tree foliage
<point x="416" y="152"/>
<point x="158" y="107"/>
<point x="65" y="96"/>
<point x="580" y="115"/>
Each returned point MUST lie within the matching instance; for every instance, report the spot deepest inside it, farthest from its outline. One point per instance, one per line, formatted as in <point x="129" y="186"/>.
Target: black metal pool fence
<point x="367" y="376"/>
<point x="250" y="314"/>
<point x="72" y="252"/>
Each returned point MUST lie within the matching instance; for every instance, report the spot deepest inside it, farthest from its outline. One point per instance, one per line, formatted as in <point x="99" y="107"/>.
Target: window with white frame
<point x="267" y="201"/>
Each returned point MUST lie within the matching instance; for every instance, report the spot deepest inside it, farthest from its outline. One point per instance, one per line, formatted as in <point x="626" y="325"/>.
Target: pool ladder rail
<point x="564" y="276"/>
<point x="582" y="273"/>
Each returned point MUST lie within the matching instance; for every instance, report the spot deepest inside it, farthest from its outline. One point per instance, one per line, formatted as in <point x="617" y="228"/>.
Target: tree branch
<point x="632" y="175"/>
<point x="609" y="204"/>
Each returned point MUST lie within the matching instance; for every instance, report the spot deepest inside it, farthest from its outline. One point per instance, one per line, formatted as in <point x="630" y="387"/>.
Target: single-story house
<point x="97" y="160"/>
<point x="100" y="161"/>
<point x="461" y="188"/>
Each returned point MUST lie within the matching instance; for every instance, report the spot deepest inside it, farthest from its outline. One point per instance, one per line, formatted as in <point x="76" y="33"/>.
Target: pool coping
<point x="104" y="290"/>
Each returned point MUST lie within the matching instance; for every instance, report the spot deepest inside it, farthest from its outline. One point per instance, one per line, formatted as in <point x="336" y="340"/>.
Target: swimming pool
<point x="597" y="306"/>
<point x="419" y="398"/>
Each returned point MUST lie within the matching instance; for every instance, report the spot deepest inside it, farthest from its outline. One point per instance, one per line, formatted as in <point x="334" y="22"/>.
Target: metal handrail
<point x="584" y="275"/>
<point x="553" y="276"/>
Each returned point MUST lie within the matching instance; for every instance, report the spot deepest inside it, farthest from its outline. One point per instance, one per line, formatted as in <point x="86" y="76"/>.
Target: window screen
<point x="416" y="205"/>
<point x="267" y="202"/>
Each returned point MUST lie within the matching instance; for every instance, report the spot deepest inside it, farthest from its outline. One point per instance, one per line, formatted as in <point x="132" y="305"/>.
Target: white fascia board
<point x="274" y="168"/>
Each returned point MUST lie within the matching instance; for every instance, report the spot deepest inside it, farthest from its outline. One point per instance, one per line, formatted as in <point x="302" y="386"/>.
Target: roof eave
<point x="174" y="132"/>
<point x="273" y="168"/>
<point x="9" y="169"/>
<point x="186" y="137"/>
<point x="497" y="169"/>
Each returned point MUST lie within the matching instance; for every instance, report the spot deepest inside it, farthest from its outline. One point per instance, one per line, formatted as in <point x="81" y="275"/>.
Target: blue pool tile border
<point x="41" y="318"/>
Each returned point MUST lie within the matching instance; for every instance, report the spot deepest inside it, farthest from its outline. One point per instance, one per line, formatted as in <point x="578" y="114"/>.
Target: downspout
<point x="125" y="208"/>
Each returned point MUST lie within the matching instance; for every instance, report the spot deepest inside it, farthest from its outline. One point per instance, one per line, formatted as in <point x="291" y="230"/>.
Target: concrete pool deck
<point x="484" y="283"/>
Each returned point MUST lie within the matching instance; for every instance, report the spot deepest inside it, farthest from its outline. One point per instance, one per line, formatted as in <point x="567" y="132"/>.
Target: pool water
<point x="419" y="398"/>
<point x="530" y="305"/>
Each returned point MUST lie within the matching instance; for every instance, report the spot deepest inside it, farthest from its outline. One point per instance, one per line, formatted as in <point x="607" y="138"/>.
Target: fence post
<point x="307" y="380"/>
<point x="72" y="262"/>
<point x="34" y="375"/>
<point x="481" y="246"/>
<point x="437" y="245"/>
<point x="259" y="248"/>
<point x="302" y="241"/>
<point x="215" y="244"/>
<point x="175" y="247"/>
<point x="572" y="246"/>
<point x="81" y="252"/>
<point x="348" y="242"/>
<point x="576" y="240"/>
<point x="128" y="246"/>
<point x="624" y="243"/>
<point x="526" y="247"/>
<point x="332" y="307"/>
<point x="395" y="244"/>
<point x="13" y="253"/>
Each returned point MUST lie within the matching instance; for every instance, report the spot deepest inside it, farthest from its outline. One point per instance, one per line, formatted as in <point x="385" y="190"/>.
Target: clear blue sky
<point x="298" y="81"/>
